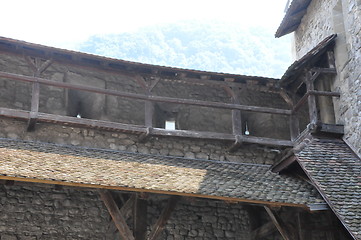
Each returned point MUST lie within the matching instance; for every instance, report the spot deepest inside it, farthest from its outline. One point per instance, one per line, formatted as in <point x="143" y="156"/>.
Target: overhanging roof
<point x="307" y="60"/>
<point x="293" y="17"/>
<point x="99" y="168"/>
<point x="336" y="172"/>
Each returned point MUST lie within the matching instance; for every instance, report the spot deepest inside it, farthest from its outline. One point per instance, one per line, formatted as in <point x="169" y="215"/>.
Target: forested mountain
<point x="212" y="46"/>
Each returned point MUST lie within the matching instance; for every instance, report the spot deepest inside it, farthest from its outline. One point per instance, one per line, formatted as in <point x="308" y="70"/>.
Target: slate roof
<point x="294" y="14"/>
<point x="336" y="171"/>
<point x="99" y="168"/>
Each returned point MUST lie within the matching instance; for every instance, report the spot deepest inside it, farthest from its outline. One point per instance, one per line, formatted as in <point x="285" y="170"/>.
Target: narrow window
<point x="170" y="124"/>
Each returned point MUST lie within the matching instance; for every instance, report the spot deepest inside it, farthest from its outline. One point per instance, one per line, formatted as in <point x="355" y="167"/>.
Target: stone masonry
<point x="323" y="18"/>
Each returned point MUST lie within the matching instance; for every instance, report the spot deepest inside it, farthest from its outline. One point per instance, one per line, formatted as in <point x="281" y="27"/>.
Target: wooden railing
<point x="35" y="116"/>
<point x="310" y="98"/>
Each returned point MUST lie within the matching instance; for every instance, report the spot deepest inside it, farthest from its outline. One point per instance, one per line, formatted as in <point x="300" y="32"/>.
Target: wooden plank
<point x="277" y="221"/>
<point x="146" y="97"/>
<point x="114" y="212"/>
<point x="162" y="220"/>
<point x="140" y="218"/>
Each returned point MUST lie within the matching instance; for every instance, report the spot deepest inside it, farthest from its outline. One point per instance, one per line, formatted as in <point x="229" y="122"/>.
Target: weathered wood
<point x="140" y="218"/>
<point x="238" y="142"/>
<point x="263" y="231"/>
<point x="312" y="107"/>
<point x="126" y="209"/>
<point x="294" y="126"/>
<point x="149" y="111"/>
<point x="277" y="221"/>
<point x="221" y="136"/>
<point x="315" y="93"/>
<point x="331" y="59"/>
<point x="286" y="97"/>
<point x="162" y="220"/>
<point x="324" y="70"/>
<point x="284" y="164"/>
<point x="35" y="97"/>
<point x="114" y="212"/>
<point x="99" y="124"/>
<point x="146" y="97"/>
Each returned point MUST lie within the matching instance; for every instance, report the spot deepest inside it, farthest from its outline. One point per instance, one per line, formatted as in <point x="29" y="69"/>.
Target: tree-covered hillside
<point x="213" y="46"/>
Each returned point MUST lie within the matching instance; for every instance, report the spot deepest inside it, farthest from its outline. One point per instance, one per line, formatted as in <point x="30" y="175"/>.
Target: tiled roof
<point x="336" y="171"/>
<point x="51" y="163"/>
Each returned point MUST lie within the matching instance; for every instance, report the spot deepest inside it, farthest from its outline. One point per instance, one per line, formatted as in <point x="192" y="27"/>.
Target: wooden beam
<point x="286" y="97"/>
<point x="237" y="143"/>
<point x="312" y="107"/>
<point x="113" y="126"/>
<point x="277" y="221"/>
<point x="146" y="97"/>
<point x="140" y="218"/>
<point x="324" y="70"/>
<point x="114" y="212"/>
<point x="162" y="220"/>
<point x="126" y="209"/>
<point x="284" y="164"/>
<point x="35" y="97"/>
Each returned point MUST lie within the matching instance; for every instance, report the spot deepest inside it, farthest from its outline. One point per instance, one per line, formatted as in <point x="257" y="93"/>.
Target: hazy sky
<point x="68" y="22"/>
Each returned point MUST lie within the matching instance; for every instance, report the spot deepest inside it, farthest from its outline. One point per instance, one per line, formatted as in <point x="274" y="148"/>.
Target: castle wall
<point x="323" y="18"/>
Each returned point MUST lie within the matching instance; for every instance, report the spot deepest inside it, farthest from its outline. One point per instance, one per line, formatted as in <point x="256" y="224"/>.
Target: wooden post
<point x="162" y="220"/>
<point x="140" y="218"/>
<point x="114" y="212"/>
<point x="38" y="68"/>
<point x="312" y="107"/>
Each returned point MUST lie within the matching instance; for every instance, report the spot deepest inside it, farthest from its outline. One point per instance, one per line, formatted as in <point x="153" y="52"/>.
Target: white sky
<point x="68" y="22"/>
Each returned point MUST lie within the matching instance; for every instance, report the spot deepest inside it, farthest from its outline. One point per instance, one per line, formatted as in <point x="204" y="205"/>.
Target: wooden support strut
<point x="277" y="221"/>
<point x="162" y="220"/>
<point x="117" y="217"/>
<point x="140" y="218"/>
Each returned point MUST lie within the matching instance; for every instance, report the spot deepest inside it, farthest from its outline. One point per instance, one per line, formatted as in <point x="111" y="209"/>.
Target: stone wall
<point x="15" y="94"/>
<point x="42" y="211"/>
<point x="325" y="17"/>
<point x="166" y="146"/>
